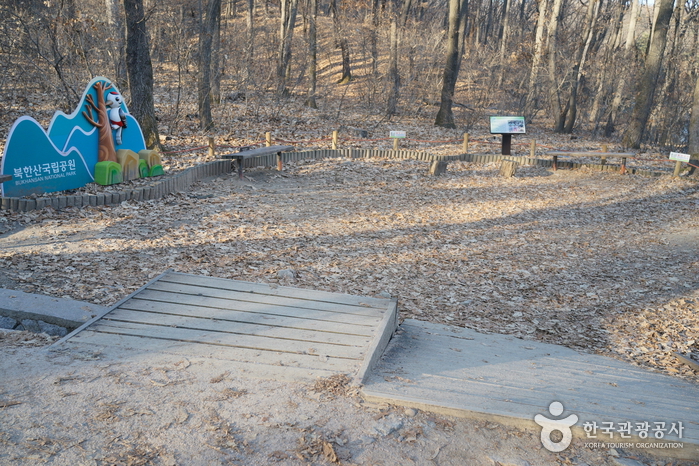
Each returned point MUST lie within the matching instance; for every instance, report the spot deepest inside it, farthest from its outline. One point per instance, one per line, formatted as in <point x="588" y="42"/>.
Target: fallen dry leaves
<point x="572" y="258"/>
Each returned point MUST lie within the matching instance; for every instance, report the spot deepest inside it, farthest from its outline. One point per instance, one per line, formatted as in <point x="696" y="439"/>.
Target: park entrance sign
<point x="99" y="142"/>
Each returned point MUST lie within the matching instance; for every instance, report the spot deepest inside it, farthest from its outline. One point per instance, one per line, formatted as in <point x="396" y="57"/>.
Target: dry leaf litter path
<point x="593" y="261"/>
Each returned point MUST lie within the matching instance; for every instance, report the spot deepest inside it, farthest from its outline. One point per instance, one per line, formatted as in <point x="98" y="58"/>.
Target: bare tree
<point x="445" y="115"/>
<point x="208" y="19"/>
<point x="311" y="70"/>
<point x="341" y="42"/>
<point x="140" y="72"/>
<point x="533" y="87"/>
<point x="581" y="55"/>
<point x="118" y="52"/>
<point x="554" y="85"/>
<point x="289" y="10"/>
<point x="627" y="58"/>
<point x="649" y="78"/>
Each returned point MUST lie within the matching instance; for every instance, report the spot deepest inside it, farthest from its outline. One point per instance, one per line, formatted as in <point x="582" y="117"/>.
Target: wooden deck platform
<point x="461" y="372"/>
<point x="258" y="330"/>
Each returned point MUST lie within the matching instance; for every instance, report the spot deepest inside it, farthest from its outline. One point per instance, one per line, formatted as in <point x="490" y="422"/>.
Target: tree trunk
<point x="648" y="80"/>
<point x="554" y="87"/>
<point x="504" y="32"/>
<point x="533" y="89"/>
<point x="116" y="24"/>
<point x="393" y="76"/>
<point x="445" y="116"/>
<point x="590" y="20"/>
<point x="289" y="9"/>
<point x="374" y="37"/>
<point x="628" y="57"/>
<point x="249" y="46"/>
<point x="603" y="84"/>
<point x="140" y="72"/>
<point x="311" y="70"/>
<point x="694" y="118"/>
<point x="217" y="61"/>
<point x="208" y="21"/>
<point x="341" y="43"/>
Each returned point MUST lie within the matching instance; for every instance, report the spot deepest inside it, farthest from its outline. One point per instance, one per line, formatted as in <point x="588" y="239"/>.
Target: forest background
<point x="615" y="69"/>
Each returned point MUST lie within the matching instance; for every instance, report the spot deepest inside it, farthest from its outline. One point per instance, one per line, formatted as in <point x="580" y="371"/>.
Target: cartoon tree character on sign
<point x="117" y="117"/>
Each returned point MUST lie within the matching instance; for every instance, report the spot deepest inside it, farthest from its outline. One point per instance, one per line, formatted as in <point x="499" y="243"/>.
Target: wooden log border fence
<point x="182" y="180"/>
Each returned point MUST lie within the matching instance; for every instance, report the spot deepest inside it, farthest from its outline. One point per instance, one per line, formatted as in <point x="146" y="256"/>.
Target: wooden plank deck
<point x="261" y="330"/>
<point x="461" y="372"/>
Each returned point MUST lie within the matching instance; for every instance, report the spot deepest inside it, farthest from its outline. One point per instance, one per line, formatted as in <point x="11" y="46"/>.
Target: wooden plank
<point x="248" y="316"/>
<point x="289" y="292"/>
<point x="270" y="299"/>
<point x="238" y="328"/>
<point x="130" y="343"/>
<point x="383" y="336"/>
<point x="260" y="308"/>
<point x="99" y="316"/>
<point x="230" y="340"/>
<point x="518" y="383"/>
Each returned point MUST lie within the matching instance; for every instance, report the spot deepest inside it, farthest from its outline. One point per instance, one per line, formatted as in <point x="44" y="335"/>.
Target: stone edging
<point x="183" y="180"/>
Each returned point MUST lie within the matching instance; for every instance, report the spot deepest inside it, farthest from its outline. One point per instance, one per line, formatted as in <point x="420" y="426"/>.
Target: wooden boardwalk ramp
<point x="259" y="330"/>
<point x="461" y="372"/>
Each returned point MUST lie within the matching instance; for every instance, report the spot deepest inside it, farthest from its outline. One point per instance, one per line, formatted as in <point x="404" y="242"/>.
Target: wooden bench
<point x="247" y="153"/>
<point x="603" y="156"/>
<point x="4" y="178"/>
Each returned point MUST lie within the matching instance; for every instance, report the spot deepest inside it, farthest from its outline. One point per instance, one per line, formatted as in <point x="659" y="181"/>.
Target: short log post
<point x="268" y="139"/>
<point x="438" y="167"/>
<point x="678" y="169"/>
<point x="334" y="140"/>
<point x="465" y="143"/>
<point x="508" y="168"/>
<point x="395" y="143"/>
<point x="212" y="148"/>
<point x="279" y="161"/>
<point x="532" y="148"/>
<point x="603" y="160"/>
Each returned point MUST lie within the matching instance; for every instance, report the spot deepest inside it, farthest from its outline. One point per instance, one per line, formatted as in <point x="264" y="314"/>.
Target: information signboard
<point x="507" y="125"/>
<point x="680" y="157"/>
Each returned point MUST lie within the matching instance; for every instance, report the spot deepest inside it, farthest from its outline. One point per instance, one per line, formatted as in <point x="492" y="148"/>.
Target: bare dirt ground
<point x="595" y="261"/>
<point x="84" y="408"/>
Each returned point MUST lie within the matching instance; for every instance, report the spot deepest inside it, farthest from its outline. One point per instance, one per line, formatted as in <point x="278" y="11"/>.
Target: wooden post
<point x="604" y="159"/>
<point x="554" y="163"/>
<point x="212" y="148"/>
<point x="465" y="143"/>
<point x="678" y="168"/>
<point x="532" y="149"/>
<point x="268" y="138"/>
<point x="395" y="143"/>
<point x="508" y="168"/>
<point x="506" y="144"/>
<point x="438" y="167"/>
<point x="335" y="140"/>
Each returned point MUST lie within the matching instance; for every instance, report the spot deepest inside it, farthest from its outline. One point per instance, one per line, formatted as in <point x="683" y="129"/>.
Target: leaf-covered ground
<point x="594" y="261"/>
